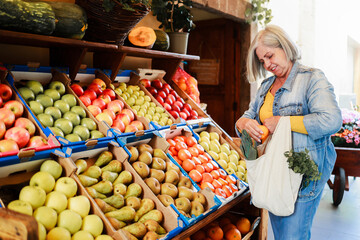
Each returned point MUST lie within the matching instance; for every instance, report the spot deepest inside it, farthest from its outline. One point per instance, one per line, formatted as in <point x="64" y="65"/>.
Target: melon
<point x="162" y="41"/>
<point x="142" y="37"/>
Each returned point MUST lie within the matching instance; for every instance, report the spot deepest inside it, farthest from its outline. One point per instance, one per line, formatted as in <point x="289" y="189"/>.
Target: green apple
<point x="35" y="86"/>
<point x="79" y="204"/>
<point x="104" y="237"/>
<point x="52" y="167"/>
<point x="55" y="95"/>
<point x="46" y="216"/>
<point x="58" y="233"/>
<point x="72" y="117"/>
<point x="64" y="125"/>
<point x="45" y="100"/>
<point x="42" y="231"/>
<point x="57" y="131"/>
<point x="21" y="207"/>
<point x="79" y="111"/>
<point x="27" y="94"/>
<point x="93" y="224"/>
<point x="56" y="200"/>
<point x="66" y="185"/>
<point x="36" y="107"/>
<point x="70" y="220"/>
<point x="46" y="120"/>
<point x="62" y="105"/>
<point x="82" y="235"/>
<point x="140" y="100"/>
<point x="44" y="180"/>
<point x="58" y="86"/>
<point x="70" y="99"/>
<point x="96" y="134"/>
<point x="34" y="195"/>
<point x="73" y="137"/>
<point x="88" y="123"/>
<point x="54" y="112"/>
<point x="82" y="131"/>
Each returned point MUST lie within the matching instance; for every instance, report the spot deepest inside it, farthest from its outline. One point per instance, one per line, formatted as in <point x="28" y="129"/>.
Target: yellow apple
<point x="44" y="180"/>
<point x="104" y="237"/>
<point x="82" y="235"/>
<point x="46" y="216"/>
<point x="56" y="200"/>
<point x="58" y="233"/>
<point x="21" y="207"/>
<point x="222" y="163"/>
<point x="42" y="231"/>
<point x="52" y="167"/>
<point x="214" y="135"/>
<point x="224" y="156"/>
<point x="34" y="195"/>
<point x="205" y="134"/>
<point x="79" y="204"/>
<point x="67" y="186"/>
<point x="70" y="220"/>
<point x="93" y="224"/>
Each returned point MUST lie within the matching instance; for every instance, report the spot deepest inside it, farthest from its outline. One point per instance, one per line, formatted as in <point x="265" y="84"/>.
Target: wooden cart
<point x="347" y="164"/>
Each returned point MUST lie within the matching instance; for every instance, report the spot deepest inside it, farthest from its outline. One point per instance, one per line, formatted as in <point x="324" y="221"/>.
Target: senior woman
<point x="304" y="94"/>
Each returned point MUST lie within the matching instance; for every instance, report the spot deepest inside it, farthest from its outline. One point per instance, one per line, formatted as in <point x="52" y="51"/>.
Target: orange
<point x="178" y="160"/>
<point x="215" y="174"/>
<point x="208" y="167"/>
<point x="233" y="234"/>
<point x="215" y="233"/>
<point x="188" y="165"/>
<point x="228" y="226"/>
<point x="200" y="168"/>
<point x="202" y="158"/>
<point x="195" y="175"/>
<point x="184" y="154"/>
<point x="216" y="184"/>
<point x="223" y="173"/>
<point x="191" y="141"/>
<point x="200" y="148"/>
<point x="227" y="190"/>
<point x="199" y="235"/>
<point x="220" y="192"/>
<point x="178" y="139"/>
<point x="222" y="181"/>
<point x="207" y="184"/>
<point x="207" y="177"/>
<point x="194" y="151"/>
<point x="171" y="142"/>
<point x="243" y="225"/>
<point x="224" y="221"/>
<point x="265" y="131"/>
<point x="196" y="160"/>
<point x="215" y="165"/>
<point x="180" y="145"/>
<point x="233" y="187"/>
<point x="231" y="179"/>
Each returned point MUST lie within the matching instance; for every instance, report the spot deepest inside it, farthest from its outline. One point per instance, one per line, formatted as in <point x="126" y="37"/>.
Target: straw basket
<point x="112" y="26"/>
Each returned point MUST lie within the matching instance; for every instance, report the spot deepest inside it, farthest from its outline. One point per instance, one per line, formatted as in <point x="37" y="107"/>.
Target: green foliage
<point x="300" y="162"/>
<point x="130" y="5"/>
<point x="258" y="12"/>
<point x="174" y="15"/>
<point x="248" y="146"/>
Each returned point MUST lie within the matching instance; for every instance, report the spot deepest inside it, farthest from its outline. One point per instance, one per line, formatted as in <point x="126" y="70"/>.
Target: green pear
<point x="159" y="153"/>
<point x="116" y="223"/>
<point x="129" y="235"/>
<point x="113" y="166"/>
<point x="134" y="202"/>
<point x="110" y="176"/>
<point x="151" y="235"/>
<point x="152" y="225"/>
<point x="104" y="158"/>
<point x="81" y="165"/>
<point x="158" y="174"/>
<point x="94" y="194"/>
<point x="120" y="188"/>
<point x="87" y="181"/>
<point x="137" y="229"/>
<point x="154" y="215"/>
<point x="145" y="147"/>
<point x="141" y="168"/>
<point x="125" y="214"/>
<point x="124" y="177"/>
<point x="133" y="189"/>
<point x="117" y="201"/>
<point x="103" y="187"/>
<point x="104" y="206"/>
<point x="93" y="171"/>
<point x="134" y="154"/>
<point x="186" y="192"/>
<point x="145" y="157"/>
<point x="146" y="206"/>
<point x="165" y="199"/>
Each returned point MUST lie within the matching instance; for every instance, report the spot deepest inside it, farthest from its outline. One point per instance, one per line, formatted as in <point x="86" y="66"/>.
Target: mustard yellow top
<point x="266" y="111"/>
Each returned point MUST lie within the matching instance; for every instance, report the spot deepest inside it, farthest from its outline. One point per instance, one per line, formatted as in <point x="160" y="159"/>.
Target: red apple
<point x="110" y="113"/>
<point x="160" y="99"/>
<point x="162" y="94"/>
<point x="8" y="145"/>
<point x="186" y="112"/>
<point x="111" y="93"/>
<point x="174" y="93"/>
<point x="169" y="100"/>
<point x="86" y="100"/>
<point x="1" y="102"/>
<point x="166" y="90"/>
<point x="105" y="97"/>
<point x="129" y="113"/>
<point x="27" y="124"/>
<point x="37" y="141"/>
<point x="96" y="87"/>
<point x="167" y="106"/>
<point x="145" y="82"/>
<point x="78" y="90"/>
<point x="124" y="118"/>
<point x="119" y="125"/>
<point x="7" y="116"/>
<point x="156" y="84"/>
<point x="114" y="107"/>
<point x="90" y="93"/>
<point x="183" y="115"/>
<point x="5" y="92"/>
<point x="174" y="114"/>
<point x="99" y="102"/>
<point x="2" y="129"/>
<point x="121" y="103"/>
<point x="130" y="128"/>
<point x="194" y="114"/>
<point x="20" y="135"/>
<point x="175" y="107"/>
<point x="16" y="107"/>
<point x="95" y="110"/>
<point x="171" y="97"/>
<point x="152" y="90"/>
<point x="105" y="117"/>
<point x="139" y="125"/>
<point x="187" y="107"/>
<point x="100" y="82"/>
<point x="179" y="104"/>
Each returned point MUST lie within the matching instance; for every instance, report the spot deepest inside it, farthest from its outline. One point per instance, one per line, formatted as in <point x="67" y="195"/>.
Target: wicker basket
<point x="113" y="26"/>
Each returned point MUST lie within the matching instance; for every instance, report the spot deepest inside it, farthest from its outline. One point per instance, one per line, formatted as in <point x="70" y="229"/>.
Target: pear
<point x="172" y="166"/>
<point x="124" y="177"/>
<point x="116" y="223"/>
<point x="169" y="189"/>
<point x="134" y="154"/>
<point x="103" y="187"/>
<point x="158" y="174"/>
<point x="87" y="181"/>
<point x="81" y="165"/>
<point x="146" y="206"/>
<point x="109" y="176"/>
<point x="125" y="214"/>
<point x="141" y="168"/>
<point x="172" y="176"/>
<point x="151" y="235"/>
<point x="133" y="189"/>
<point x="93" y="171"/>
<point x="153" y="184"/>
<point x="145" y="157"/>
<point x="129" y="235"/>
<point x="186" y="192"/>
<point x="196" y="208"/>
<point x="120" y="188"/>
<point x="158" y="163"/>
<point x="134" y="202"/>
<point x="117" y="200"/>
<point x="159" y="153"/>
<point x="104" y="206"/>
<point x="113" y="166"/>
<point x="184" y="182"/>
<point x="145" y="147"/>
<point x="94" y="194"/>
<point x="154" y="215"/>
<point x="152" y="225"/>
<point x="137" y="229"/>
<point x="200" y="197"/>
<point x="166" y="199"/>
<point x="104" y="158"/>
<point x="182" y="203"/>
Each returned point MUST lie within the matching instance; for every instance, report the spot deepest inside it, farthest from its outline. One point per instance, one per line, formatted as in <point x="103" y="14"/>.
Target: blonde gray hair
<point x="274" y="37"/>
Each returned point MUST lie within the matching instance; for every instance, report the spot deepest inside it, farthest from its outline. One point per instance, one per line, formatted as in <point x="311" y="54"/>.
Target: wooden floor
<point x="336" y="223"/>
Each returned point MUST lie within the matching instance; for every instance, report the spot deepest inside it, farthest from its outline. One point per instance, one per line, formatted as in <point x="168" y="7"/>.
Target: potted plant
<point x="176" y="19"/>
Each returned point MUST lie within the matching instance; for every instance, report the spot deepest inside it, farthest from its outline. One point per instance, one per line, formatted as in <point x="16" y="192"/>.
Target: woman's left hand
<point x="271" y="123"/>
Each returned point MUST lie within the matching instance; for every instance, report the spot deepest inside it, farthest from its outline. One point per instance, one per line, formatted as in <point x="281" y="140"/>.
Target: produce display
<point x="16" y="130"/>
<point x="166" y="181"/>
<point x="142" y="104"/>
<point x="59" y="110"/>
<point x="119" y="197"/>
<point x="103" y="105"/>
<point x="52" y="199"/>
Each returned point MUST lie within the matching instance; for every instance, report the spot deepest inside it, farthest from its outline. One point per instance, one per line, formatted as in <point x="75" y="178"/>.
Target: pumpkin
<point x="142" y="37"/>
<point x="162" y="41"/>
<point x="31" y="17"/>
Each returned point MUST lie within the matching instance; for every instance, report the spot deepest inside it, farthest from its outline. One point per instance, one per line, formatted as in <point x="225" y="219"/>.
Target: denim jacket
<point x="308" y="93"/>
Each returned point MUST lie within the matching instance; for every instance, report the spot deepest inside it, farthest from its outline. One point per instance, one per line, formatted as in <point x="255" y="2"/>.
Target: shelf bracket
<point x="109" y="60"/>
<point x="168" y="65"/>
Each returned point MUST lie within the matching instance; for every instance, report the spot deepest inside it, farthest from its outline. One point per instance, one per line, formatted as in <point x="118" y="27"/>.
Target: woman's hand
<point x="251" y="126"/>
<point x="271" y="123"/>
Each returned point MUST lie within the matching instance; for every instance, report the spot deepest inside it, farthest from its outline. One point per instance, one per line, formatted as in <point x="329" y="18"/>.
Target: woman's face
<point x="274" y="60"/>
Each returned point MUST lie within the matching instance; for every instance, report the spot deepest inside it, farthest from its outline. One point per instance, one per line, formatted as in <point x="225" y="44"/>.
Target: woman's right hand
<point x="251" y="126"/>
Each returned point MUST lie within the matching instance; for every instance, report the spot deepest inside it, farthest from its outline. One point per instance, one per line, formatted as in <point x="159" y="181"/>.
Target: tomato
<point x="200" y="148"/>
<point x="216" y="183"/>
<point x="227" y="190"/>
<point x="230" y="179"/>
<point x="207" y="177"/>
<point x="171" y="142"/>
<point x="233" y="187"/>
<point x="220" y="192"/>
<point x="223" y="173"/>
<point x="184" y="154"/>
<point x="178" y="138"/>
<point x="196" y="160"/>
<point x="194" y="151"/>
<point x="188" y="165"/>
<point x="195" y="175"/>
<point x="208" y="167"/>
<point x="200" y="168"/>
<point x="180" y="145"/>
<point x="207" y="184"/>
<point x="191" y="141"/>
<point x="215" y="174"/>
<point x="203" y="159"/>
<point x="173" y="151"/>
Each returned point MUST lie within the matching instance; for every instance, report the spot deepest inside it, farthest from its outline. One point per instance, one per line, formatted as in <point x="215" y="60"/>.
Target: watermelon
<point x="162" y="41"/>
